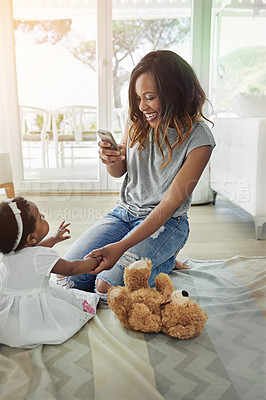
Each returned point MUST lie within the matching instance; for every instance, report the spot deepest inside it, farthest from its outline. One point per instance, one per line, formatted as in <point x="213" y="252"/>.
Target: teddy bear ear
<point x="140" y="264"/>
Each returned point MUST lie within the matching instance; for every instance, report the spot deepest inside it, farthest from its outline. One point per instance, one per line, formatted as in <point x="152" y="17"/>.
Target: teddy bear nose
<point x="185" y="293"/>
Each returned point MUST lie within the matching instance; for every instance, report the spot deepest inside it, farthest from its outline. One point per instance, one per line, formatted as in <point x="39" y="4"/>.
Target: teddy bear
<point x="145" y="309"/>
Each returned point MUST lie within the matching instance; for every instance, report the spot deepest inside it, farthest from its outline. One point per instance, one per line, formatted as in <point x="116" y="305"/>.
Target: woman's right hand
<point x="108" y="156"/>
<point x="109" y="255"/>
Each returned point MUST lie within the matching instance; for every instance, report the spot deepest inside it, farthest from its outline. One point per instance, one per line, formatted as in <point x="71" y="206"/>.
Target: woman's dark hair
<point x="181" y="98"/>
<point x="9" y="226"/>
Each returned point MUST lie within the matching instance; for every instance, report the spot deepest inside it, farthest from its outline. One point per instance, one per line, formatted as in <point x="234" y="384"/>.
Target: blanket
<point x="105" y="361"/>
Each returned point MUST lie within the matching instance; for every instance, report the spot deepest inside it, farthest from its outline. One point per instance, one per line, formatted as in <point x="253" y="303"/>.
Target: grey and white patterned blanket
<point x="105" y="361"/>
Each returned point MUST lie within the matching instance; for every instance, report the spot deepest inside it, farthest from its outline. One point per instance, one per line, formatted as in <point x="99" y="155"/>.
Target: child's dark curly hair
<point x="9" y="227"/>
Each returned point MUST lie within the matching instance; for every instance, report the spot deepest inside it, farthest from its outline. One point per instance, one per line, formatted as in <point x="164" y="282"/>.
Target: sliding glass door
<point x="57" y="89"/>
<point x="73" y="61"/>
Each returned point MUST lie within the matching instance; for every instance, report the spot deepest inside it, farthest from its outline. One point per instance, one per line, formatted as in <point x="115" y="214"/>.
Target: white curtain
<point x="9" y="111"/>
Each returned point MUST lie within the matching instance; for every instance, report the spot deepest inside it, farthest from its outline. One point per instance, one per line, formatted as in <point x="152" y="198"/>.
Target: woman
<point x="164" y="153"/>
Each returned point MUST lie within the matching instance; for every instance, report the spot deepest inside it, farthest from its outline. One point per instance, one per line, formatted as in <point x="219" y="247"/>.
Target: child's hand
<point x="94" y="263"/>
<point x="110" y="255"/>
<point x="59" y="234"/>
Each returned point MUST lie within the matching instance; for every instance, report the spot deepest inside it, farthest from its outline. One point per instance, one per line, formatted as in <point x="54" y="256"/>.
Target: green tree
<point x="51" y="31"/>
<point x="243" y="70"/>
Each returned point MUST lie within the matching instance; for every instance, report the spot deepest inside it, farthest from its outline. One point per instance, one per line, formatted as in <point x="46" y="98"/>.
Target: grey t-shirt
<point x="144" y="185"/>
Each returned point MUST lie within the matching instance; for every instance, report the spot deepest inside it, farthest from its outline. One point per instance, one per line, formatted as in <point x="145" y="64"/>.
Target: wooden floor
<point x="216" y="232"/>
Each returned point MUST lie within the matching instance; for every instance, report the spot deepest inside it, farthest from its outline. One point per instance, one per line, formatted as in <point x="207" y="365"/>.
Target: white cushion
<point x="249" y="105"/>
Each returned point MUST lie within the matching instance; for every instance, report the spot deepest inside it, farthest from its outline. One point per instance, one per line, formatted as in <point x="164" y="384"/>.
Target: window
<point x="240" y="48"/>
<point x="57" y="88"/>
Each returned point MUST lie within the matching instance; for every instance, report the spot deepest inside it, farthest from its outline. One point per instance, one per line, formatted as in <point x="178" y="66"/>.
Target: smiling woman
<point x="164" y="153"/>
<point x="147" y="98"/>
<point x="161" y="97"/>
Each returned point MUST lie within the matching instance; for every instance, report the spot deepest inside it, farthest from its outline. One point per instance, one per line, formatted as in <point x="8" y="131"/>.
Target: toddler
<point x="34" y="310"/>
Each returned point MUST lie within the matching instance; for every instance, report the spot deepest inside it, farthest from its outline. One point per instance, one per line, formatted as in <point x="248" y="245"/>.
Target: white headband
<point x="16" y="212"/>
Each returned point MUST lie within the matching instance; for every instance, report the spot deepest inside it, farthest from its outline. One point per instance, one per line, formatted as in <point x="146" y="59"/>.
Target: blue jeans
<point x="161" y="247"/>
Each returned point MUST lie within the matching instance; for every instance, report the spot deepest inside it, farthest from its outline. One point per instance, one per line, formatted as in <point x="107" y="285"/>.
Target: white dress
<point x="34" y="310"/>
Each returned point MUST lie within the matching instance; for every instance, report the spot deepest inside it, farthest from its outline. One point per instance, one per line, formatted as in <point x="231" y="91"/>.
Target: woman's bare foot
<point x="180" y="265"/>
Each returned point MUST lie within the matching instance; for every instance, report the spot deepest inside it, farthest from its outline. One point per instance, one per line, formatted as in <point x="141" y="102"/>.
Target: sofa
<point x="238" y="165"/>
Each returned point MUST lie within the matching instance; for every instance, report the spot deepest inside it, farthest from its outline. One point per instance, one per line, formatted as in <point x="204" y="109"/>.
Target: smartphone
<point x="107" y="136"/>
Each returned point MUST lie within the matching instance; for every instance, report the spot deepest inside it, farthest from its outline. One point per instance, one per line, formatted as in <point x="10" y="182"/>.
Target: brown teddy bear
<point x="141" y="308"/>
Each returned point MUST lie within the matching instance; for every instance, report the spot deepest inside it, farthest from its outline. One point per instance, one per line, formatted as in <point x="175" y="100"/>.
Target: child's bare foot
<point x="180" y="265"/>
<point x="61" y="280"/>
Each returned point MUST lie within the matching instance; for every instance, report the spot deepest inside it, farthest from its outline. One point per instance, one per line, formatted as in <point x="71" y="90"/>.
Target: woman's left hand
<point x="110" y="255"/>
